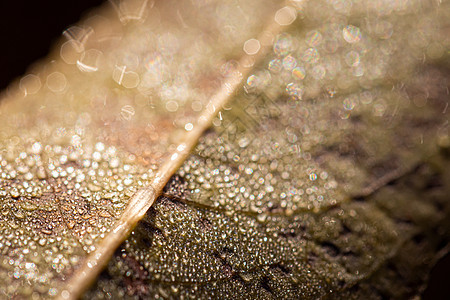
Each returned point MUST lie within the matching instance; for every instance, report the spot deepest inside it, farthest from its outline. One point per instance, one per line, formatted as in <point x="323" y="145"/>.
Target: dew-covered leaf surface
<point x="380" y="247"/>
<point x="322" y="178"/>
<point x="81" y="133"/>
<point x="326" y="176"/>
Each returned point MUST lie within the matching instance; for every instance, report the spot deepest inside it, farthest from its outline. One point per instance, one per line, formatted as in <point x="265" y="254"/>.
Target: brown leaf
<point x="267" y="203"/>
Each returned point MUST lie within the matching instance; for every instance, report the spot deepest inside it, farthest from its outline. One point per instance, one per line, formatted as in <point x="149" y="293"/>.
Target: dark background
<point x="28" y="30"/>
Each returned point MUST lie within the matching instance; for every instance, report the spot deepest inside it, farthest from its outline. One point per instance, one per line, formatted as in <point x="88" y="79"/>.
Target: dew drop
<point x="252" y="46"/>
<point x="14" y="193"/>
<point x="286" y="15"/>
<point x="352" y="34"/>
<point x="229" y="68"/>
<point x="130" y="10"/>
<point x="352" y="59"/>
<point x="261" y="218"/>
<point x="30" y="84"/>
<point x="252" y="81"/>
<point x="127" y="112"/>
<point x="299" y="73"/>
<point x="89" y="61"/>
<point x="56" y="82"/>
<point x="311" y="55"/>
<point x="65" y="294"/>
<point x="130" y="80"/>
<point x="244" y="142"/>
<point x="36" y="148"/>
<point x="19" y="215"/>
<point x="295" y="91"/>
<point x="171" y="106"/>
<point x="313" y="38"/>
<point x="41" y="173"/>
<point x="289" y="63"/>
<point x="275" y="65"/>
<point x="70" y="52"/>
<point x="78" y="35"/>
<point x="283" y="44"/>
<point x="349" y="103"/>
<point x="318" y="72"/>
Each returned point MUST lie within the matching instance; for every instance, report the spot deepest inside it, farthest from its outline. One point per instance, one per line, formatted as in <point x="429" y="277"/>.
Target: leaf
<point x="84" y="156"/>
<point x="290" y="200"/>
<point x="281" y="198"/>
<point x="361" y="249"/>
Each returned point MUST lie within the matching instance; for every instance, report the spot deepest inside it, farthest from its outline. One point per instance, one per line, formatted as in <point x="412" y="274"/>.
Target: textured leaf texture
<point x="324" y="174"/>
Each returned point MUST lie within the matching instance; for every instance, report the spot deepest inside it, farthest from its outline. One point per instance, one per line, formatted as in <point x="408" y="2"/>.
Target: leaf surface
<point x="88" y="138"/>
<point x="323" y="195"/>
<point x="285" y="196"/>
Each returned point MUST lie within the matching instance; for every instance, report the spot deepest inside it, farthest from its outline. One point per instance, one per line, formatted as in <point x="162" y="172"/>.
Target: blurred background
<point x="28" y="30"/>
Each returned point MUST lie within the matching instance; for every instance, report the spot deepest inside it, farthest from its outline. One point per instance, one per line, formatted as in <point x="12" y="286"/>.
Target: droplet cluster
<point x="57" y="203"/>
<point x="184" y="250"/>
<point x="287" y="195"/>
<point x="84" y="130"/>
<point x="264" y="207"/>
<point x="272" y="156"/>
<point x="332" y="51"/>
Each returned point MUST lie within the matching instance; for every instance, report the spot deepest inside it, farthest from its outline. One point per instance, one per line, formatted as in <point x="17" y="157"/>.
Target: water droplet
<point x="130" y="10"/>
<point x="283" y="44"/>
<point x="127" y="112"/>
<point x="244" y="142"/>
<point x="14" y="193"/>
<point x="299" y="73"/>
<point x="352" y="34"/>
<point x="30" y="84"/>
<point x="295" y="91"/>
<point x="172" y="106"/>
<point x="318" y="72"/>
<point x="19" y="215"/>
<point x="36" y="148"/>
<point x="78" y="36"/>
<point x="313" y="38"/>
<point x="352" y="59"/>
<point x="229" y="68"/>
<point x="94" y="188"/>
<point x="252" y="46"/>
<point x="56" y="82"/>
<point x="89" y="60"/>
<point x="275" y="65"/>
<point x="261" y="218"/>
<point x="70" y="52"/>
<point x="286" y="15"/>
<point x="342" y="6"/>
<point x="289" y="63"/>
<point x="174" y="289"/>
<point x="349" y="103"/>
<point x="130" y="80"/>
<point x="311" y="55"/>
<point x="65" y="294"/>
<point x="252" y="81"/>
